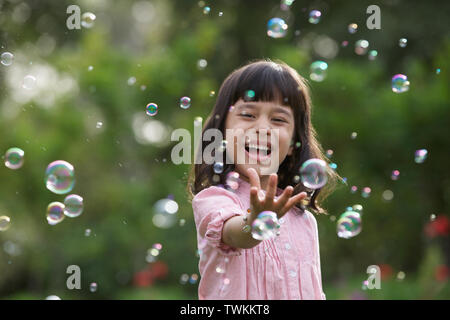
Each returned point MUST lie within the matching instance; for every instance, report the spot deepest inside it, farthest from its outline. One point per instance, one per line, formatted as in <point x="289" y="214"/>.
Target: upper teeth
<point x="255" y="146"/>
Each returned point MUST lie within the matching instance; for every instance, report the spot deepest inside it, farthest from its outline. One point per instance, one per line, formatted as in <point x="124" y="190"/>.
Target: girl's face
<point x="267" y="126"/>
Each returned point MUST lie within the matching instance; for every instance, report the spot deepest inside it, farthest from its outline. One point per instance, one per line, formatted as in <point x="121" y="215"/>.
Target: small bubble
<point x="93" y="287"/>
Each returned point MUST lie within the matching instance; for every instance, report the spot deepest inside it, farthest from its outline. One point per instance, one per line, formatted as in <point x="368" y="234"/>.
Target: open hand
<point x="280" y="206"/>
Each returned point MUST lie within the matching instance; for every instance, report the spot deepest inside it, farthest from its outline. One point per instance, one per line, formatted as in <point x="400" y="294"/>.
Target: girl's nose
<point x="263" y="123"/>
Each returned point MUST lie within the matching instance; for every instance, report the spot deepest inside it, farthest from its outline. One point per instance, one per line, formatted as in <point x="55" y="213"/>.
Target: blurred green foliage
<point x="159" y="43"/>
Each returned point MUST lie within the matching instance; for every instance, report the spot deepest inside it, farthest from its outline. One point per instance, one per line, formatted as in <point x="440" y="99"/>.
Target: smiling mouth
<point x="258" y="151"/>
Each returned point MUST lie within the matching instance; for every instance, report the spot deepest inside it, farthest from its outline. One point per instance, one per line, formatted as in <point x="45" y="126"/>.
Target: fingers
<point x="284" y="197"/>
<point x="254" y="178"/>
<point x="271" y="188"/>
<point x="295" y="199"/>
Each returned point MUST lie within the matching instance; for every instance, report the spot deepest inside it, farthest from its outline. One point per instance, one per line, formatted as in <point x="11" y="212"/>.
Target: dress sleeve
<point x="212" y="207"/>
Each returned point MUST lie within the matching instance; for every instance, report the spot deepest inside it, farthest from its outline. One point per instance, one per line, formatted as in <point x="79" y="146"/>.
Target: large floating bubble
<point x="55" y="213"/>
<point x="60" y="177"/>
<point x="313" y="173"/>
<point x="318" y="71"/>
<point x="164" y="213"/>
<point x="14" y="158"/>
<point x="73" y="205"/>
<point x="232" y="181"/>
<point x="276" y="28"/>
<point x="349" y="224"/>
<point x="400" y="83"/>
<point x="265" y="226"/>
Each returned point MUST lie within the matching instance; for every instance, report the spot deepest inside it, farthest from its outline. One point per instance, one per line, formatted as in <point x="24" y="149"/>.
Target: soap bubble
<point x="265" y="226"/>
<point x="60" y="177"/>
<point x="352" y="28"/>
<point x="400" y="83"/>
<point x="276" y="28"/>
<point x="131" y="81"/>
<point x="152" y="109"/>
<point x="349" y="224"/>
<point x="73" y="205"/>
<point x="202" y="63"/>
<point x="29" y="82"/>
<point x="93" y="287"/>
<point x="357" y="208"/>
<point x="53" y="297"/>
<point x="55" y="213"/>
<point x="365" y="193"/>
<point x="90" y="68"/>
<point x="249" y="95"/>
<point x="193" y="279"/>
<point x="403" y="42"/>
<point x="361" y="47"/>
<point x="87" y="20"/>
<point x="164" y="213"/>
<point x="232" y="180"/>
<point x="388" y="195"/>
<point x="87" y="232"/>
<point x="185" y="102"/>
<point x="6" y="58"/>
<point x="184" y="278"/>
<point x="353" y="189"/>
<point x="318" y="70"/>
<point x="212" y="93"/>
<point x="420" y="155"/>
<point x="14" y="158"/>
<point x="395" y="174"/>
<point x="218" y="167"/>
<point x="313" y="173"/>
<point x="99" y="124"/>
<point x="353" y="135"/>
<point x="5" y="223"/>
<point x="314" y="16"/>
<point x="206" y="10"/>
<point x="373" y="54"/>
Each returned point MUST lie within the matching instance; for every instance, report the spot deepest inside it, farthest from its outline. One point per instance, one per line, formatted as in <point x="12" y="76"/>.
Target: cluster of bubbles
<point x="400" y="83"/>
<point x="60" y="179"/>
<point x="185" y="102"/>
<point x="313" y="173"/>
<point x="6" y="58"/>
<point x="72" y="208"/>
<point x="349" y="223"/>
<point x="152" y="109"/>
<point x="318" y="71"/>
<point x="165" y="213"/>
<point x="153" y="252"/>
<point x="265" y="226"/>
<point x="14" y="158"/>
<point x="276" y="28"/>
<point x="420" y="155"/>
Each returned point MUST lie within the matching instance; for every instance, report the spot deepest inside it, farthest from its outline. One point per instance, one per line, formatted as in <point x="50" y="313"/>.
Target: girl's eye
<point x="279" y="120"/>
<point x="247" y="115"/>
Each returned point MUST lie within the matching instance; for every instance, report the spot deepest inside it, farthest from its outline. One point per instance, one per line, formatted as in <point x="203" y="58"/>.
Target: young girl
<point x="262" y="95"/>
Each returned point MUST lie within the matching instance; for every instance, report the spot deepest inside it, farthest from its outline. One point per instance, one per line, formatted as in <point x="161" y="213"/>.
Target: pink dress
<point x="282" y="268"/>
